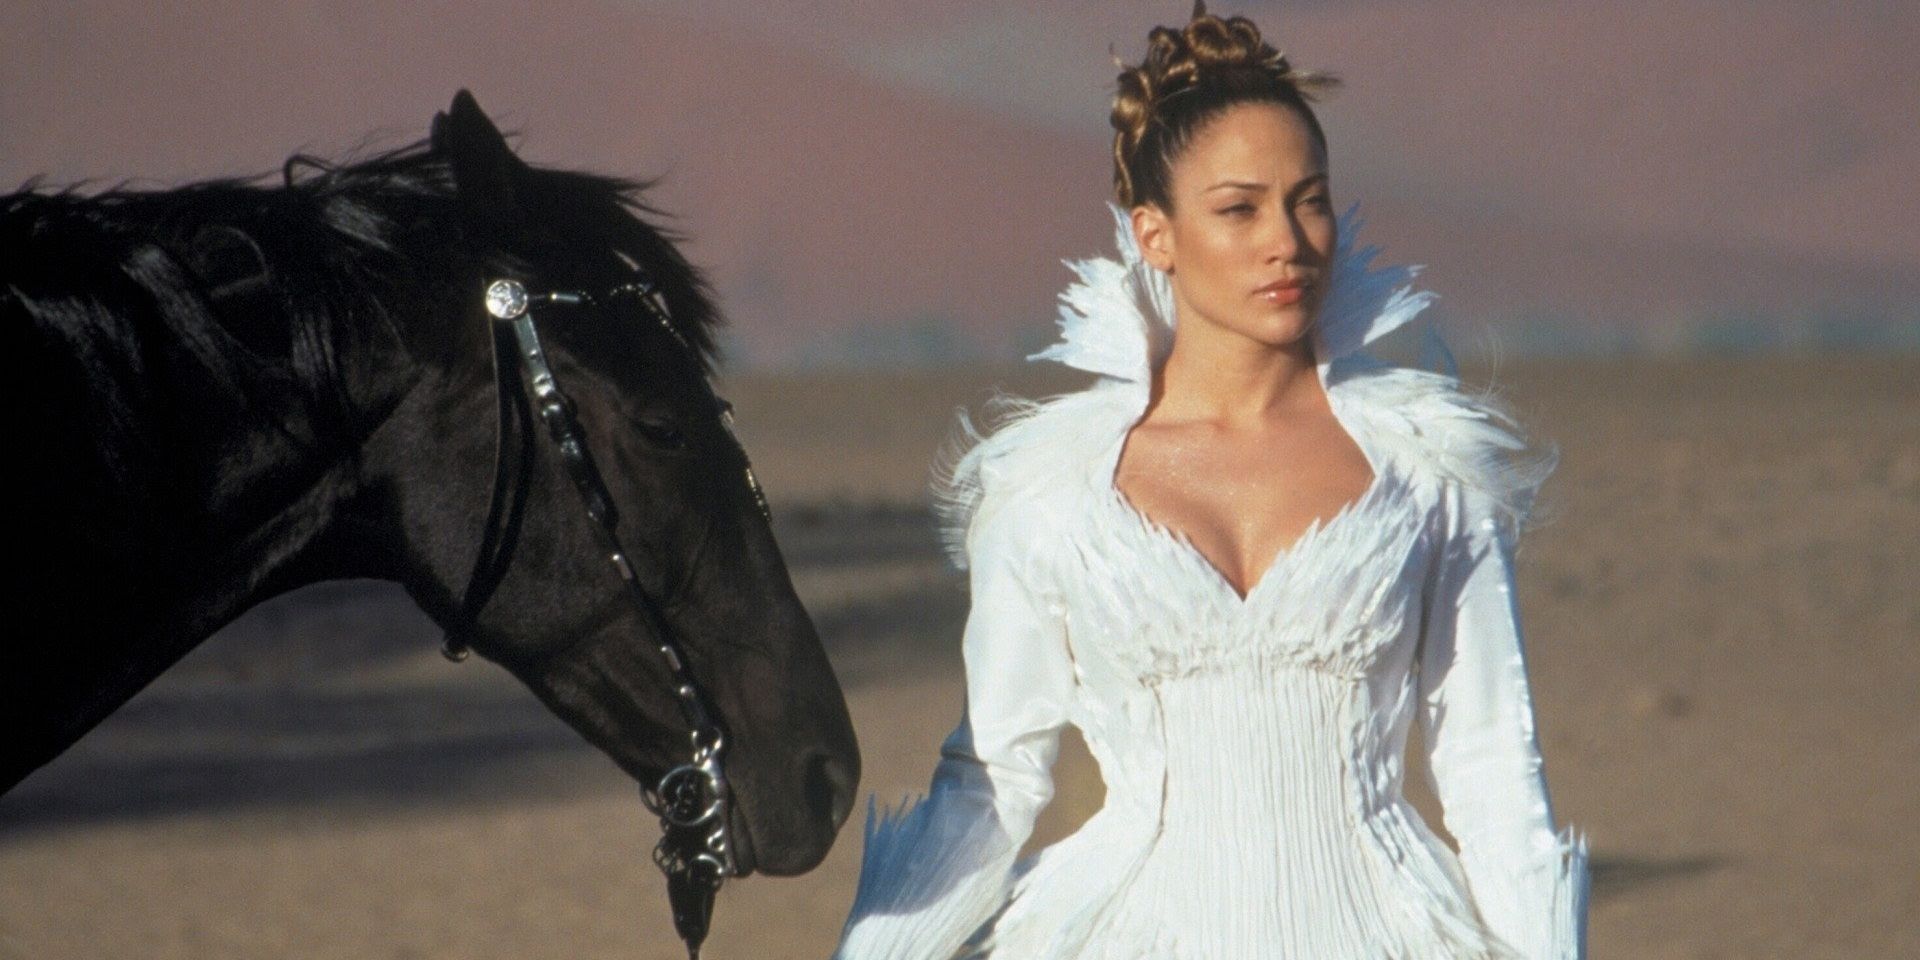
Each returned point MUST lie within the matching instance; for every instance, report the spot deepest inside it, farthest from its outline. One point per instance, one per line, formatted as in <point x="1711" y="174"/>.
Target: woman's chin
<point x="1279" y="327"/>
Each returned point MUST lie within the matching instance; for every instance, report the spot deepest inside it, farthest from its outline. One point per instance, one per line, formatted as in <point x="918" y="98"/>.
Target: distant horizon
<point x="873" y="185"/>
<point x="911" y="348"/>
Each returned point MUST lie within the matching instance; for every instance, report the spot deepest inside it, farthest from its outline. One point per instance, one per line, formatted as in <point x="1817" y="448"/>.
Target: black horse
<point x="228" y="390"/>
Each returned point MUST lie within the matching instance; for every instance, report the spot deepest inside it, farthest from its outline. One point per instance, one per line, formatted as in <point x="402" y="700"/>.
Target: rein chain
<point x="692" y="800"/>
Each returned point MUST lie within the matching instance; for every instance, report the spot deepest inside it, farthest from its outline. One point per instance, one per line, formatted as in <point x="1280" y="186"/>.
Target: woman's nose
<point x="1281" y="238"/>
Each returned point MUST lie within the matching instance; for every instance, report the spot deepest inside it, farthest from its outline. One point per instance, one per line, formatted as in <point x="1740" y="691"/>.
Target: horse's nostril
<point x="830" y="784"/>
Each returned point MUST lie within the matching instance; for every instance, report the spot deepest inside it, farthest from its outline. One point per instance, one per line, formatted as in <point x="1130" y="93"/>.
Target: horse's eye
<point x="662" y="434"/>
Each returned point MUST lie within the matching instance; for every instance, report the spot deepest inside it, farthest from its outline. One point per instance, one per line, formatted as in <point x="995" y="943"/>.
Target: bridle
<point x="692" y="800"/>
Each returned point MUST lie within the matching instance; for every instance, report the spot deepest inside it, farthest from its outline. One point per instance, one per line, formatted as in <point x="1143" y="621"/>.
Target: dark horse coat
<point x="228" y="390"/>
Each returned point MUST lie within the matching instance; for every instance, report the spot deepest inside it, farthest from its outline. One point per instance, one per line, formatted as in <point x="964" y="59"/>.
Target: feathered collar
<point x="1117" y="319"/>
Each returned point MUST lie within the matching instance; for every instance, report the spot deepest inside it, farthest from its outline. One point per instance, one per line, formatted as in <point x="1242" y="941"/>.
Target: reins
<point x="692" y="800"/>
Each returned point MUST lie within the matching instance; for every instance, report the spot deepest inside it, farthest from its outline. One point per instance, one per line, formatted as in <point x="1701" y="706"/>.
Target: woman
<point x="1242" y="564"/>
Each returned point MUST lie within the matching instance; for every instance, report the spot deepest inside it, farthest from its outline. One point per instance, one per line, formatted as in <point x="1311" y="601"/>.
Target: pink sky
<point x="867" y="181"/>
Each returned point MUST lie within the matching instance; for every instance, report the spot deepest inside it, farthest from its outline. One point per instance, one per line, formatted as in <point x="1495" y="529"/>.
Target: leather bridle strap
<point x="496" y="540"/>
<point x="693" y="799"/>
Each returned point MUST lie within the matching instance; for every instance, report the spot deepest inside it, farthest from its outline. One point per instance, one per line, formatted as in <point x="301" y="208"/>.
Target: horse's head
<point x="701" y="547"/>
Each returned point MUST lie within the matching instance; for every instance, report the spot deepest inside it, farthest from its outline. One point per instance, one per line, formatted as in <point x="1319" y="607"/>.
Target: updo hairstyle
<point x="1189" y="77"/>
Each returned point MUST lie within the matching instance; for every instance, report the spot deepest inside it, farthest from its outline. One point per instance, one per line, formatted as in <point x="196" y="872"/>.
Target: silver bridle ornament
<point x="692" y="800"/>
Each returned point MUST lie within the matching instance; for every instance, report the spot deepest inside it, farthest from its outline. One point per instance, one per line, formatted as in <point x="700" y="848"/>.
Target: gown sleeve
<point x="1528" y="882"/>
<point x="934" y="872"/>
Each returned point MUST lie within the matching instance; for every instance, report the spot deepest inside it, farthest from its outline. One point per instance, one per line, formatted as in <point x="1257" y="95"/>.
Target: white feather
<point x="1116" y="320"/>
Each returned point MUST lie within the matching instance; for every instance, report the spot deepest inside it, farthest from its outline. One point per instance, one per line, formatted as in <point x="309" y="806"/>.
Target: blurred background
<point x="885" y="184"/>
<point x="1682" y="237"/>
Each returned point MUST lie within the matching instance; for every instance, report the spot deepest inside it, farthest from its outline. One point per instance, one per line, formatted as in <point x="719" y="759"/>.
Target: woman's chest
<point x="1240" y="496"/>
<point x="1141" y="600"/>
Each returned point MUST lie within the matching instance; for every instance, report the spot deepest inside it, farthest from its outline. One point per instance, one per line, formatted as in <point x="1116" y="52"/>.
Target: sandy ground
<point x="1723" y="622"/>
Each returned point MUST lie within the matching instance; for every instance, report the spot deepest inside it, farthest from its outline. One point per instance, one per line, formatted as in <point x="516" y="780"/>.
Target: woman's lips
<point x="1284" y="293"/>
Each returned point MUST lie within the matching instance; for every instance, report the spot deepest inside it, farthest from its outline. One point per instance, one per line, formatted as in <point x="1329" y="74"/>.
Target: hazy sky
<point x="900" y="180"/>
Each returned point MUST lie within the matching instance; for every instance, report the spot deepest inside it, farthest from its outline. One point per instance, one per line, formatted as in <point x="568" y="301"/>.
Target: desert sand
<point x="1724" y="637"/>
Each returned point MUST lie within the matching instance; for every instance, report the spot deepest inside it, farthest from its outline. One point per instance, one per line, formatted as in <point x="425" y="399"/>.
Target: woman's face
<point x="1249" y="243"/>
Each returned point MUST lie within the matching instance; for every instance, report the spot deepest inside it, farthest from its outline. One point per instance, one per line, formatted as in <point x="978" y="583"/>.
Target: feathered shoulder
<point x="1033" y="453"/>
<point x="1116" y="320"/>
<point x="1469" y="440"/>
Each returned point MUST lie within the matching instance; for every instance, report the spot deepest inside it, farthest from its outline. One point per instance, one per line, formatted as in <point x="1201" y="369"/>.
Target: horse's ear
<point x="483" y="164"/>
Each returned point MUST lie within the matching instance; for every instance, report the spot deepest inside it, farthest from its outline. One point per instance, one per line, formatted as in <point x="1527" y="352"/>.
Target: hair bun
<point x="1207" y="51"/>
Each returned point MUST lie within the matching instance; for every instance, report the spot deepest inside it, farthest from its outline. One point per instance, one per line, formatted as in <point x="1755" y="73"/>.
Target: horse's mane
<point x="259" y="284"/>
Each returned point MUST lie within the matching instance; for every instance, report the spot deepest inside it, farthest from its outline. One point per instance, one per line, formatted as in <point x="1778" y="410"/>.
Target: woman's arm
<point x="934" y="872"/>
<point x="1529" y="882"/>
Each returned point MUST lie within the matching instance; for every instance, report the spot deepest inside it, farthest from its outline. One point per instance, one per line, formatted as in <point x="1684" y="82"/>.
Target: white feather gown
<point x="1252" y="748"/>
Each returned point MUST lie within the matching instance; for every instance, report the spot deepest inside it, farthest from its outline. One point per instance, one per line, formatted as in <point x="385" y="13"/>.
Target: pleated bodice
<point x="1260" y="843"/>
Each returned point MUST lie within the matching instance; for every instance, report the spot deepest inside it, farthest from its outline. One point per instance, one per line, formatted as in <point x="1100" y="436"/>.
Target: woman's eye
<point x="1238" y="210"/>
<point x="1317" y="201"/>
<point x="662" y="434"/>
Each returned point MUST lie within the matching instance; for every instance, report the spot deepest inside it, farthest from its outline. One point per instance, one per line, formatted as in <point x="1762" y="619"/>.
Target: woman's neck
<point x="1219" y="375"/>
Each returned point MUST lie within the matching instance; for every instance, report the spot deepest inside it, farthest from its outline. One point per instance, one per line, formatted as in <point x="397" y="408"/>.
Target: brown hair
<point x="1189" y="77"/>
